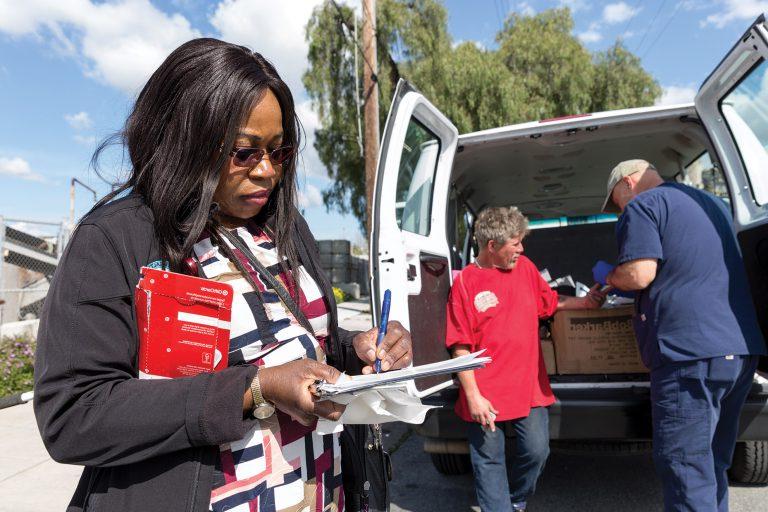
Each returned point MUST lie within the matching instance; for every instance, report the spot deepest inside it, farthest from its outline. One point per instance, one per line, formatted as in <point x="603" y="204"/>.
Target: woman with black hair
<point x="212" y="140"/>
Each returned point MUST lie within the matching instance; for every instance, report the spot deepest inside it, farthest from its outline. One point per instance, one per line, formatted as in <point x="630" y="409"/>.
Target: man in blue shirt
<point x="695" y="325"/>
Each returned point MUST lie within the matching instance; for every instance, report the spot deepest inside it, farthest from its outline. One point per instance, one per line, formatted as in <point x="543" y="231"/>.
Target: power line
<point x="498" y="16"/>
<point x="664" y="29"/>
<point x="658" y="11"/>
<point x="340" y="16"/>
<point x="631" y="18"/>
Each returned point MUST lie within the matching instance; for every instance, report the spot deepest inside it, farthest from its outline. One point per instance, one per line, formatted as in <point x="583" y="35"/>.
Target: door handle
<point x="388" y="260"/>
<point x="411" y="274"/>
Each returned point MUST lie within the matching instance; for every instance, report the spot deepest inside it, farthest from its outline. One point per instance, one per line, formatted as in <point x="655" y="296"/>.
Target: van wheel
<point x="750" y="463"/>
<point x="451" y="463"/>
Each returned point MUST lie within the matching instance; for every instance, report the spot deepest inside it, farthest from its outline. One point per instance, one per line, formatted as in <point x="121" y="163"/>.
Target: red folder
<point x="183" y="324"/>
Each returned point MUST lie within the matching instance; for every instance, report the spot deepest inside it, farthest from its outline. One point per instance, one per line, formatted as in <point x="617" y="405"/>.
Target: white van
<point x="431" y="182"/>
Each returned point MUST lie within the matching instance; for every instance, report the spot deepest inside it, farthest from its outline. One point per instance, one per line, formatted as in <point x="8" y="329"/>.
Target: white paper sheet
<point x="380" y="405"/>
<point x="377" y="380"/>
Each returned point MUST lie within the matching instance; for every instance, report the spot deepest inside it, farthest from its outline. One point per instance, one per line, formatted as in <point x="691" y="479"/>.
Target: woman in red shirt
<point x="495" y="304"/>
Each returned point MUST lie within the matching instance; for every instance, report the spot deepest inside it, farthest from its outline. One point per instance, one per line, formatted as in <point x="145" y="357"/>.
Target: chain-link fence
<point x="30" y="250"/>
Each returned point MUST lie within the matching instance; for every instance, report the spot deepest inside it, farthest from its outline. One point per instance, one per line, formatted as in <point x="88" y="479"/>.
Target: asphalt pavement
<point x="594" y="483"/>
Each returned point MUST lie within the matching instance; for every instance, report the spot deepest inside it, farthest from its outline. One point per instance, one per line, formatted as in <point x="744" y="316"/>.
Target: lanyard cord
<point x="265" y="274"/>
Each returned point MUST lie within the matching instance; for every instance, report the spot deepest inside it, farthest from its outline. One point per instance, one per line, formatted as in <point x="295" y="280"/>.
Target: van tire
<point x="451" y="463"/>
<point x="750" y="463"/>
<point x="601" y="447"/>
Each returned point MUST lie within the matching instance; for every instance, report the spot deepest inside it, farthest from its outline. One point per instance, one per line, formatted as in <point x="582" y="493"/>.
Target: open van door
<point x="409" y="246"/>
<point x="733" y="105"/>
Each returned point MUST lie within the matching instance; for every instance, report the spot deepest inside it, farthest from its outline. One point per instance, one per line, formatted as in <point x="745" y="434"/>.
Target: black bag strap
<point x="265" y="274"/>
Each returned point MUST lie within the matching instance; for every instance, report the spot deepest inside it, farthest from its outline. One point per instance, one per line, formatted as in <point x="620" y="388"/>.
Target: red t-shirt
<point x="499" y="310"/>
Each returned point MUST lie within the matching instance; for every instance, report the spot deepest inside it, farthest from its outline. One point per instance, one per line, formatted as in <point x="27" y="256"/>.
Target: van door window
<point x="415" y="179"/>
<point x="745" y="110"/>
<point x="703" y="174"/>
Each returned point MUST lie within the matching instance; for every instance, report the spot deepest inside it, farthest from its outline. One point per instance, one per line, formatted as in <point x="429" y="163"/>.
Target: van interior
<point x="561" y="173"/>
<point x="557" y="177"/>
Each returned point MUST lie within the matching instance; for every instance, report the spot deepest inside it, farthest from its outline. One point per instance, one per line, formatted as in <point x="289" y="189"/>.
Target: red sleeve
<point x="547" y="296"/>
<point x="458" y="325"/>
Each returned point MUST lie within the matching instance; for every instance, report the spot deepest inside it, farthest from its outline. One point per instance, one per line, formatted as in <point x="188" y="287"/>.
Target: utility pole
<point x="371" y="113"/>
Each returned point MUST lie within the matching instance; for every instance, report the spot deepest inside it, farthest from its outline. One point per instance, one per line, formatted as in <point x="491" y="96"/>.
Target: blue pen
<point x="382" y="326"/>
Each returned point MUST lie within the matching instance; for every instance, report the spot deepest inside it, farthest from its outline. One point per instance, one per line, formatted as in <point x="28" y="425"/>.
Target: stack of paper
<point x="385" y="397"/>
<point x="358" y="383"/>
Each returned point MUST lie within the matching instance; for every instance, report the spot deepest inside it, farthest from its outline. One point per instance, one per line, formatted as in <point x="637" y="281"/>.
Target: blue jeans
<point x="696" y="407"/>
<point x="499" y="484"/>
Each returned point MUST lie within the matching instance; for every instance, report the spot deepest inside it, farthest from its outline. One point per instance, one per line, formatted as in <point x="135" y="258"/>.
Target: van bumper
<point x="595" y="413"/>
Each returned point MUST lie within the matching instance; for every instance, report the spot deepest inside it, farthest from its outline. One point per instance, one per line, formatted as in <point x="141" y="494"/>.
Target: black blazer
<point x="145" y="444"/>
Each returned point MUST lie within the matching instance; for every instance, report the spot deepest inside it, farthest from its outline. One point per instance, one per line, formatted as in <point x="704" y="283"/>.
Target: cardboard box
<point x="596" y="341"/>
<point x="548" y="349"/>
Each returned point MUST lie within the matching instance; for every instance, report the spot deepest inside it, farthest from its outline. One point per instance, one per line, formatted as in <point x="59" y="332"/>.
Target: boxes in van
<point x="548" y="351"/>
<point x="596" y="341"/>
<point x="432" y="182"/>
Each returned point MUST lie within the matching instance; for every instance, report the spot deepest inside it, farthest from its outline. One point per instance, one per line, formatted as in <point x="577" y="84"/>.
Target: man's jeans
<point x="498" y="484"/>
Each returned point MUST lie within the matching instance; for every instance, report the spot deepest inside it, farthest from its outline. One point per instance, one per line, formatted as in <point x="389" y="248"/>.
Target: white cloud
<point x="119" y="43"/>
<point x="592" y="35"/>
<point x="673" y="95"/>
<point x="480" y="46"/>
<point x="281" y="42"/>
<point x="619" y="12"/>
<point x="735" y="10"/>
<point x="310" y="196"/>
<point x="309" y="162"/>
<point x="526" y="9"/>
<point x="575" y="5"/>
<point x="79" y="121"/>
<point x="18" y="168"/>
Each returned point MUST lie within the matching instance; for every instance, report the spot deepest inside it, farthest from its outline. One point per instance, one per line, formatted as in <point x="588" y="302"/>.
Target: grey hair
<point x="500" y="223"/>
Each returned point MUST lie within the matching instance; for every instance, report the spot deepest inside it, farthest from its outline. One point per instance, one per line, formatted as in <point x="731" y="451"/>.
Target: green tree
<point x="621" y="81"/>
<point x="539" y="70"/>
<point x="555" y="68"/>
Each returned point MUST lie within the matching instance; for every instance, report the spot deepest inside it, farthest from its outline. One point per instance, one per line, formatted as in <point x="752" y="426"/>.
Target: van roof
<point x="576" y="120"/>
<point x="559" y="167"/>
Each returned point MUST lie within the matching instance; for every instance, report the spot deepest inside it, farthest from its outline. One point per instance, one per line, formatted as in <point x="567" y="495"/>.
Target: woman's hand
<point x="395" y="351"/>
<point x="288" y="386"/>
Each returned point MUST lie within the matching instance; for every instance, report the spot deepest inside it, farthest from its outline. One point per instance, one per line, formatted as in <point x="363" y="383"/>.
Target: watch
<point x="261" y="408"/>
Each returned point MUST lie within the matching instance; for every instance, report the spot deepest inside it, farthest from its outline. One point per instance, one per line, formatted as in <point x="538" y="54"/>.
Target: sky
<point x="70" y="70"/>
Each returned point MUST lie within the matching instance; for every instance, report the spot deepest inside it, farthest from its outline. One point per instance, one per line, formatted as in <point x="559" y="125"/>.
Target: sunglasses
<point x="250" y="157"/>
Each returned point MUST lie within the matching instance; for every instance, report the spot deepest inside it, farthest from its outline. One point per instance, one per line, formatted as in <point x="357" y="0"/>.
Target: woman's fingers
<point x="289" y="387"/>
<point x="365" y="346"/>
<point x="320" y="371"/>
<point x="395" y="350"/>
<point x="328" y="410"/>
